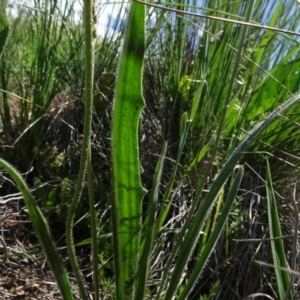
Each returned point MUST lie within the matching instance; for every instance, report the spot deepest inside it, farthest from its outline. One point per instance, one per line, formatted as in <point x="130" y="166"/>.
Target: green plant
<point x="212" y="293"/>
<point x="200" y="104"/>
<point x="32" y="74"/>
<point x="278" y="253"/>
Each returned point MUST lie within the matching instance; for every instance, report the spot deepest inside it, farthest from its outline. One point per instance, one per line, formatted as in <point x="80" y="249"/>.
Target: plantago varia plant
<point x="135" y="236"/>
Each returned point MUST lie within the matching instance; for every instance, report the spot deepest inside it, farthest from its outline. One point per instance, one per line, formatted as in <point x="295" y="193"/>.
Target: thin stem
<point x="93" y="229"/>
<point x="86" y="143"/>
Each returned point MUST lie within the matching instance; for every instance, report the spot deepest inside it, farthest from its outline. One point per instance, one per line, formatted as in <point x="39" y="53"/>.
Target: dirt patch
<point x="24" y="276"/>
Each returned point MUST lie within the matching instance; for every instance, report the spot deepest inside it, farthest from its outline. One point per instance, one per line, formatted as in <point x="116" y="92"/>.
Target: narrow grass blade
<point x="167" y="201"/>
<point x="194" y="229"/>
<point x="267" y="36"/>
<point x="279" y="259"/>
<point x="128" y="192"/>
<point x="214" y="236"/>
<point x="149" y="228"/>
<point x="199" y="157"/>
<point x="195" y="102"/>
<point x="191" y="229"/>
<point x="43" y="232"/>
<point x="211" y="220"/>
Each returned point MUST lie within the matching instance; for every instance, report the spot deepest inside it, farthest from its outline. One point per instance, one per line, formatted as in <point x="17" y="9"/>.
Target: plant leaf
<point x="197" y="224"/>
<point x="278" y="254"/>
<point x="128" y="192"/>
<point x="43" y="232"/>
<point x="149" y="228"/>
<point x="210" y="244"/>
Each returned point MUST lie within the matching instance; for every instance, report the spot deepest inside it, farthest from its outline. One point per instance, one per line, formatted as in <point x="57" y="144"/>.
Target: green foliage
<point x="212" y="292"/>
<point x="278" y="253"/>
<point x="213" y="89"/>
<point x="34" y="58"/>
<point x="237" y="216"/>
<point x="128" y="192"/>
<point x="43" y="232"/>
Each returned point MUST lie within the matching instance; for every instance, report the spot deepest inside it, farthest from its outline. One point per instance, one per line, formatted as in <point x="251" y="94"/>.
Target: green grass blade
<point x="221" y="109"/>
<point x="149" y="228"/>
<point x="167" y="201"/>
<point x="267" y="37"/>
<point x="195" y="102"/>
<point x="198" y="158"/>
<point x="197" y="224"/>
<point x="43" y="232"/>
<point x="279" y="259"/>
<point x="214" y="236"/>
<point x="128" y="192"/>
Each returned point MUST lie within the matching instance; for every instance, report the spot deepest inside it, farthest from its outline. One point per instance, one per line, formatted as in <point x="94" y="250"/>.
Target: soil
<point x="24" y="276"/>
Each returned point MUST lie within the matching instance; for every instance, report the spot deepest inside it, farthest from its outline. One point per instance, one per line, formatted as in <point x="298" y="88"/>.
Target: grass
<point x="189" y="107"/>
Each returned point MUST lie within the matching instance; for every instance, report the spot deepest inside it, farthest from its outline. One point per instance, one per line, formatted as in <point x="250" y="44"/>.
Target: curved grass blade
<point x="214" y="236"/>
<point x="197" y="224"/>
<point x="149" y="228"/>
<point x="195" y="227"/>
<point x="167" y="201"/>
<point x="198" y="158"/>
<point x="278" y="254"/>
<point x="43" y="232"/>
<point x="128" y="192"/>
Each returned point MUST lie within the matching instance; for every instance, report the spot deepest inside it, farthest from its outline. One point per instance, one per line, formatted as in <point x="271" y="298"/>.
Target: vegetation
<point x="177" y="148"/>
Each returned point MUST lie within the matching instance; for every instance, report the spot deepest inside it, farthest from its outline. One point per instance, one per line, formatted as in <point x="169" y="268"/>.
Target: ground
<point x="26" y="276"/>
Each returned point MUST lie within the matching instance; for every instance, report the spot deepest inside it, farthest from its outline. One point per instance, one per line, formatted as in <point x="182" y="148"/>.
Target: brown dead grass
<point x="25" y="276"/>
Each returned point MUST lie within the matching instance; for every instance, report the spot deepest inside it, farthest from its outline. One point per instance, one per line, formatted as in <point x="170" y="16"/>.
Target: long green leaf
<point x="191" y="237"/>
<point x="128" y="192"/>
<point x="267" y="36"/>
<point x="43" y="232"/>
<point x="147" y="244"/>
<point x="214" y="236"/>
<point x="167" y="201"/>
<point x="279" y="259"/>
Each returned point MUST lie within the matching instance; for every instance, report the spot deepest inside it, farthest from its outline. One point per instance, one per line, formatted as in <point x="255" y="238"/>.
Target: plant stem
<point x="86" y="143"/>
